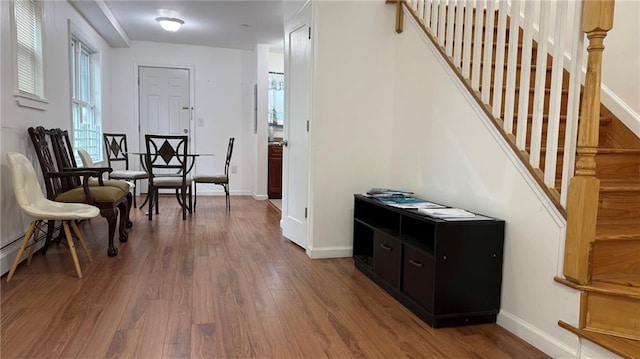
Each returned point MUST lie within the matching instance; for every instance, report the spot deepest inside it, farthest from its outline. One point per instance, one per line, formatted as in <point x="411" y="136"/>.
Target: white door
<point x="164" y="101"/>
<point x="164" y="104"/>
<point x="297" y="115"/>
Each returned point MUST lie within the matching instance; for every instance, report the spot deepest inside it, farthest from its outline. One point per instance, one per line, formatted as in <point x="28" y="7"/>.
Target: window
<point x="85" y="80"/>
<point x="29" y="54"/>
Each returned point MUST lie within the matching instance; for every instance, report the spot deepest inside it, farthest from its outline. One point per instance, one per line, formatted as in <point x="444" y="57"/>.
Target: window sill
<point x="31" y="101"/>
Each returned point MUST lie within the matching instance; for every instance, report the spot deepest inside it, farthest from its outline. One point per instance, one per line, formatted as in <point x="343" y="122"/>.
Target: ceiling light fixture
<point x="170" y="23"/>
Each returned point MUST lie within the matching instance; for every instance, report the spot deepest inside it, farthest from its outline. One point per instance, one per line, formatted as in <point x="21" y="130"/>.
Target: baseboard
<point x="8" y="255"/>
<point x="536" y="337"/>
<point x="622" y="111"/>
<point x="330" y="252"/>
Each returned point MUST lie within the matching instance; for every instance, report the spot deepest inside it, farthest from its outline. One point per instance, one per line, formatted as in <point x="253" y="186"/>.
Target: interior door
<point x="297" y="115"/>
<point x="164" y="103"/>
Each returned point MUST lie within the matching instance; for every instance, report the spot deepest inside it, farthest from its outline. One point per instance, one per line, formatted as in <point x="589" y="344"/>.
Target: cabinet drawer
<point x="386" y="257"/>
<point x="417" y="279"/>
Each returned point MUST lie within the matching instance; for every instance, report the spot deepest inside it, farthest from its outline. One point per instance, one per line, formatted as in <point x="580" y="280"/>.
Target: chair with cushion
<point x="116" y="146"/>
<point x="87" y="162"/>
<point x="167" y="162"/>
<point x="65" y="160"/>
<point x="34" y="204"/>
<point x="71" y="185"/>
<point x="219" y="179"/>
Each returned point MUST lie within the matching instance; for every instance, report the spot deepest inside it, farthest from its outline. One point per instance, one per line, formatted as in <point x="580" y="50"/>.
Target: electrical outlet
<point x="234" y="169"/>
<point x="200" y="121"/>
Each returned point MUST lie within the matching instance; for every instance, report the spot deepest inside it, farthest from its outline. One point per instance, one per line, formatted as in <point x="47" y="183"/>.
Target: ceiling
<point x="236" y="24"/>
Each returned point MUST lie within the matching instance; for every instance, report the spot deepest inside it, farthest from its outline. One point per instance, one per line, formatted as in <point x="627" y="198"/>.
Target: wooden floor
<point x="218" y="285"/>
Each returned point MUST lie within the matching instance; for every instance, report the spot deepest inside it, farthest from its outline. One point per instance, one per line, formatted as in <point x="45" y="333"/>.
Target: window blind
<point x="29" y="47"/>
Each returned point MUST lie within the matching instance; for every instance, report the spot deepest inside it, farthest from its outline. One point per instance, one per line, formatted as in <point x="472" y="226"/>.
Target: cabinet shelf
<point x="448" y="272"/>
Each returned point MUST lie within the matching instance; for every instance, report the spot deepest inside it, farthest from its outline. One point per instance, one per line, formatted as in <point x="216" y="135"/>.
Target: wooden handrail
<point x="582" y="202"/>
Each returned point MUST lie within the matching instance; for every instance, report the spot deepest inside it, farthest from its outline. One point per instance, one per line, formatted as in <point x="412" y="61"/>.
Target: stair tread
<point x="620" y="184"/>
<point x="628" y="348"/>
<point x="614" y="232"/>
<point x="631" y="151"/>
<point x="623" y="284"/>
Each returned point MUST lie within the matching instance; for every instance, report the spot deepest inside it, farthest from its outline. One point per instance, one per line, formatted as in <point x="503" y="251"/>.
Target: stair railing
<point x="523" y="96"/>
<point x="526" y="71"/>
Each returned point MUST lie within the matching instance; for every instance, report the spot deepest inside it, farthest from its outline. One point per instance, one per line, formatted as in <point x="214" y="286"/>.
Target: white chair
<point x="33" y="203"/>
<point x="87" y="162"/>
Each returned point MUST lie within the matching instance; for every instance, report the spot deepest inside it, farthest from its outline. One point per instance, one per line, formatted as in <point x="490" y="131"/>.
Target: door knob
<point x="284" y="143"/>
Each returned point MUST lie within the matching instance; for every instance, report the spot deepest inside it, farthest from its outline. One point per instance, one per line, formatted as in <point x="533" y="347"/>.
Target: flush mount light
<point x="170" y="23"/>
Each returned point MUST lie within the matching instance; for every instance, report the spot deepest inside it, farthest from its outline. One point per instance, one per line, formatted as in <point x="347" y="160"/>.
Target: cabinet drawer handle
<point x="385" y="247"/>
<point x="416" y="263"/>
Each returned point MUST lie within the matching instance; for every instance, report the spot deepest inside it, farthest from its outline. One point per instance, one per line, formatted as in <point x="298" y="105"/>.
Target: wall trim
<point x="330" y="252"/>
<point x="536" y="337"/>
<point x="618" y="107"/>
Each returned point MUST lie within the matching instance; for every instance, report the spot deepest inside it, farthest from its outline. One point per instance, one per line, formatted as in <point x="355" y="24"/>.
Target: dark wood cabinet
<point x="446" y="271"/>
<point x="274" y="177"/>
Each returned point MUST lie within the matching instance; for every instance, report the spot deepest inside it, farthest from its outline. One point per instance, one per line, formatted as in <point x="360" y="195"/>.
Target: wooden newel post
<point x="584" y="188"/>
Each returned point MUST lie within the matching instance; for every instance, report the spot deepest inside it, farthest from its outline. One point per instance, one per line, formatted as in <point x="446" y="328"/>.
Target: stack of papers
<point x="446" y="212"/>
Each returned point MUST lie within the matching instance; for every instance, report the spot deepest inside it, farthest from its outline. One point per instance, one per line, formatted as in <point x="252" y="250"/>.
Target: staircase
<point x="610" y="291"/>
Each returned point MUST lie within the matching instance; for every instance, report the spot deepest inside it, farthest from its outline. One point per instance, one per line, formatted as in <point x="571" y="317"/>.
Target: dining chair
<point x="34" y="204"/>
<point x="70" y="185"/>
<point x="87" y="162"/>
<point x="219" y="179"/>
<point x="167" y="163"/>
<point x="116" y="146"/>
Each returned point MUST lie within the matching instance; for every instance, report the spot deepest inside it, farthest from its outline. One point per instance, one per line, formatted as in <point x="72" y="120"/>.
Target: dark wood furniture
<point x="66" y="183"/>
<point x="274" y="182"/>
<point x="446" y="271"/>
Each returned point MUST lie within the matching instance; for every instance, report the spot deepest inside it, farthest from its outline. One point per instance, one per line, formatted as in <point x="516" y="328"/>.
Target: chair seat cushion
<point x="123" y="185"/>
<point x="101" y="194"/>
<point x="128" y="174"/>
<point x="211" y="178"/>
<point x="170" y="182"/>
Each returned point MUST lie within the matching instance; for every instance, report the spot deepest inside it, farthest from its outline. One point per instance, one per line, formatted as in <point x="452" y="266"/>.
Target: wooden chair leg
<point x="72" y="248"/>
<point x="83" y="245"/>
<point x="21" y="250"/>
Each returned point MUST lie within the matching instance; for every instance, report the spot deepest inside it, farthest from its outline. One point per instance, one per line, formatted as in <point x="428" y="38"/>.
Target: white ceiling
<point x="236" y="24"/>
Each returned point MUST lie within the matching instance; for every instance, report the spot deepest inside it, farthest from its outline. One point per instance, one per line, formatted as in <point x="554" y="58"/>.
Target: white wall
<point x="276" y="61"/>
<point x="15" y="120"/>
<point x="621" y="64"/>
<point x="223" y="89"/>
<point x="349" y="140"/>
<point x="446" y="150"/>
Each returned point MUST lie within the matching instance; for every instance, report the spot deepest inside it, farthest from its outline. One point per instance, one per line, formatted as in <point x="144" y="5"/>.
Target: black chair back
<point x="229" y="153"/>
<point x="116" y="146"/>
<point x="166" y="156"/>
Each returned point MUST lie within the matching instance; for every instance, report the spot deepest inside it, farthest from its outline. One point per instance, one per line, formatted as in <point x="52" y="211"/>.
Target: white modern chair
<point x="33" y="203"/>
<point x="87" y="162"/>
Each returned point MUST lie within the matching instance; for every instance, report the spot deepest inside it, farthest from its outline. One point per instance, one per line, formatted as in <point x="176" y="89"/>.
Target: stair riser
<point x="619" y="207"/>
<point x="613" y="315"/>
<point x="615" y="258"/>
<point x="617" y="165"/>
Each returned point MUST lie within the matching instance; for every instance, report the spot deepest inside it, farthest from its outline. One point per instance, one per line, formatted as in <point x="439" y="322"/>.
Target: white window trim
<point x="95" y="58"/>
<point x="26" y="99"/>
